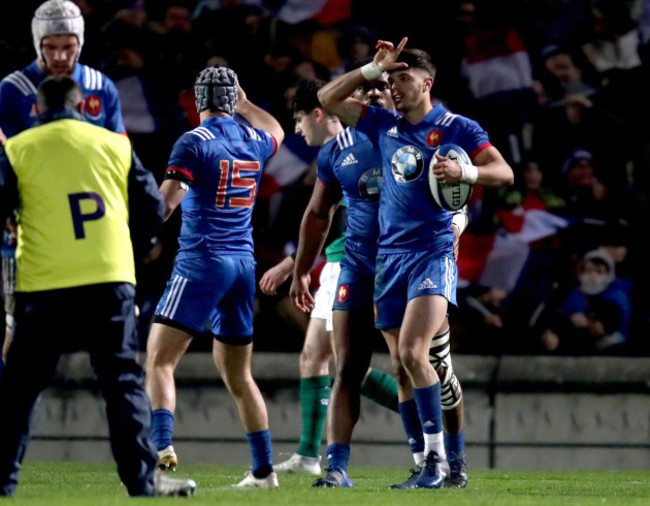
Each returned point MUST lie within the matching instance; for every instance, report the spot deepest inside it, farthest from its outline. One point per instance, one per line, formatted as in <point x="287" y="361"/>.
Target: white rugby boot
<point x="167" y="459"/>
<point x="299" y="464"/>
<point x="173" y="487"/>
<point x="271" y="481"/>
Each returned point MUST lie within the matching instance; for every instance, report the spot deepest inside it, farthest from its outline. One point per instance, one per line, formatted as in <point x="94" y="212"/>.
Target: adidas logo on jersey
<point x="392" y="132"/>
<point x="427" y="284"/>
<point x="349" y="160"/>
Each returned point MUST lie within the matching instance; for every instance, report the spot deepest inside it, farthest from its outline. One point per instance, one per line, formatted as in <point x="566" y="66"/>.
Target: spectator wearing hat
<point x="585" y="191"/>
<point x="595" y="316"/>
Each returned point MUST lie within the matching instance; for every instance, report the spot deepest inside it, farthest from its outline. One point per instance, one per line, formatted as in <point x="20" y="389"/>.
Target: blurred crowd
<point x="555" y="264"/>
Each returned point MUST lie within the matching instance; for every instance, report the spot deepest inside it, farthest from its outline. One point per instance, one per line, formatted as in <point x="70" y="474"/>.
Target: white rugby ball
<point x="451" y="196"/>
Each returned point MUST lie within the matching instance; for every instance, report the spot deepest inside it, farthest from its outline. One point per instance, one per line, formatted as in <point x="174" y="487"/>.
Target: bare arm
<point x="314" y="227"/>
<point x="493" y="170"/>
<point x="335" y="96"/>
<point x="276" y="275"/>
<point x="173" y="192"/>
<point x="258" y="117"/>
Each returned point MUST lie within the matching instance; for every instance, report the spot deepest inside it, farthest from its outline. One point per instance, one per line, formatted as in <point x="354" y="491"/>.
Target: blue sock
<point x="429" y="408"/>
<point x="455" y="446"/>
<point x="412" y="426"/>
<point x="260" y="444"/>
<point x="338" y="455"/>
<point x="162" y="425"/>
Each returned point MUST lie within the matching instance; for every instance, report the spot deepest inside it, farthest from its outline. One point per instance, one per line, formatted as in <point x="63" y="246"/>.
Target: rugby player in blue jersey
<point x="213" y="173"/>
<point x="58" y="34"/>
<point x="415" y="269"/>
<point x="351" y="166"/>
<point x="322" y="129"/>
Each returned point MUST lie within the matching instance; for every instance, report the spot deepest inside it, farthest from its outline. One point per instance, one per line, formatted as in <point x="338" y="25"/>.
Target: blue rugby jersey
<point x="18" y="98"/>
<point x="409" y="218"/>
<point x="353" y="162"/>
<point x="221" y="161"/>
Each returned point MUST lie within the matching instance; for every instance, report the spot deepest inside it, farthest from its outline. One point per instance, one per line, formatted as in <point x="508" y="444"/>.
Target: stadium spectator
<point x="411" y="309"/>
<point x="218" y="167"/>
<point x="563" y="70"/>
<point x="65" y="167"/>
<point x="579" y="121"/>
<point x="595" y="316"/>
<point x="613" y="39"/>
<point x="585" y="193"/>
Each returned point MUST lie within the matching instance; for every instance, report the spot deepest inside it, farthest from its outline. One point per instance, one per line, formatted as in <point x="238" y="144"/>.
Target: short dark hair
<point x="306" y="99"/>
<point x="418" y="59"/>
<point x="57" y="92"/>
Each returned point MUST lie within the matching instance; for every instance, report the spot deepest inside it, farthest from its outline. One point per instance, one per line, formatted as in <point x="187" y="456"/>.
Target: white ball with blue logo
<point x="451" y="196"/>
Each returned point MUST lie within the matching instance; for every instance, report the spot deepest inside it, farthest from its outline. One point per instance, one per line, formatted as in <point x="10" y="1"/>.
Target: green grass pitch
<point x="74" y="483"/>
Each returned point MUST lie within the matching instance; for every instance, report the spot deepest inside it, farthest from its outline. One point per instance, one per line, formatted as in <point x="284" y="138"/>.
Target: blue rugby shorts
<point x="216" y="293"/>
<point x="401" y="277"/>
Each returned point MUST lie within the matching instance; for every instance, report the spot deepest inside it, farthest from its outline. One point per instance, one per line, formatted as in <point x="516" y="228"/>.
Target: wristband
<point x="468" y="173"/>
<point x="371" y="71"/>
<point x="460" y="219"/>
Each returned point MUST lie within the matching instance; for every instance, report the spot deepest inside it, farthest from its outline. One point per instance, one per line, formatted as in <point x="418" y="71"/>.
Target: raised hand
<point x="387" y="54"/>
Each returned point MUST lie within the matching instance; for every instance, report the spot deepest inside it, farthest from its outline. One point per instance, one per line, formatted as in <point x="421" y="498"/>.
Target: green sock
<point x="381" y="388"/>
<point x="314" y="398"/>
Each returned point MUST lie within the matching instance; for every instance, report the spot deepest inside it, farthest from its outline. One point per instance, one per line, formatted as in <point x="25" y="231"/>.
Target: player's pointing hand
<point x="387" y="54"/>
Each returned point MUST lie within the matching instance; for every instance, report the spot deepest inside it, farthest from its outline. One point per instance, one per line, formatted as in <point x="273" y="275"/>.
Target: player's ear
<point x="319" y="114"/>
<point x="428" y="83"/>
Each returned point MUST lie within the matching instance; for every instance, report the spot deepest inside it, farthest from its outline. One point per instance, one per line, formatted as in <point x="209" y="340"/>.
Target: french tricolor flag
<point x="496" y="61"/>
<point x="497" y="260"/>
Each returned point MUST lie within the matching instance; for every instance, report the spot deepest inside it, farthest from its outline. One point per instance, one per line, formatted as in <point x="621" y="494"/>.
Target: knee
<point x="313" y="357"/>
<point x="410" y="360"/>
<point x="399" y="372"/>
<point x="350" y="374"/>
<point x="238" y="383"/>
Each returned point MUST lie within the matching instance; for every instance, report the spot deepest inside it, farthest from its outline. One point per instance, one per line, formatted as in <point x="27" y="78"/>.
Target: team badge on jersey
<point x="407" y="164"/>
<point x="369" y="184"/>
<point x="93" y="107"/>
<point x="342" y="294"/>
<point x="433" y="138"/>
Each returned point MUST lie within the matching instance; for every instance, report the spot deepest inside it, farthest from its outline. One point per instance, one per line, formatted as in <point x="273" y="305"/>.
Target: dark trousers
<point x="101" y="320"/>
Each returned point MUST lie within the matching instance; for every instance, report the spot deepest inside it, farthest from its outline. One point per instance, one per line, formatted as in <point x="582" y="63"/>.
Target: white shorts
<point x="324" y="298"/>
